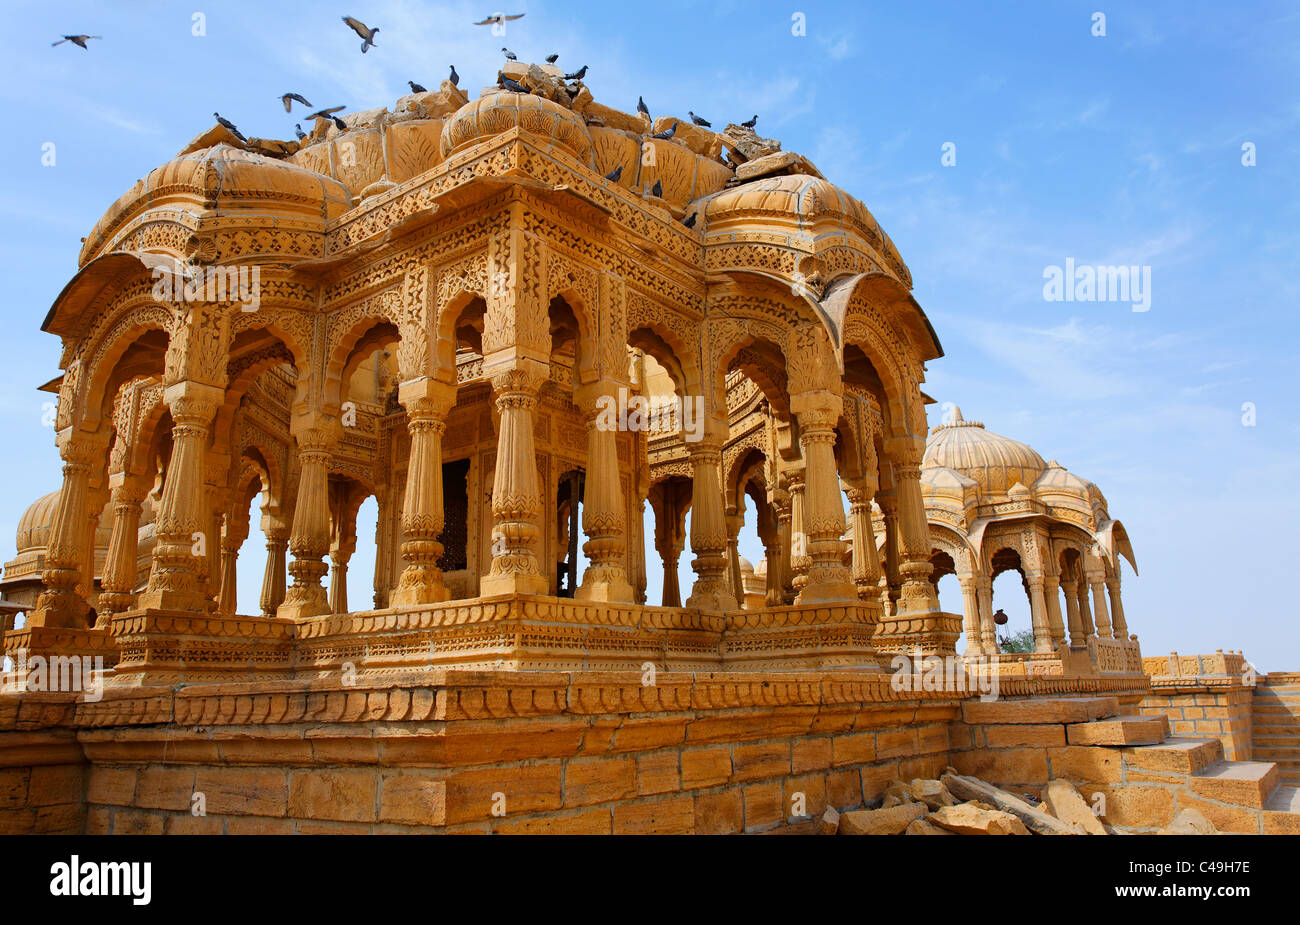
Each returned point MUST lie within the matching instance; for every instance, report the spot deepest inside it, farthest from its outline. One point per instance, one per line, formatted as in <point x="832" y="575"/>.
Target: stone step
<point x="1120" y="730"/>
<point x="1283" y="740"/>
<point x="1245" y="783"/>
<point x="1275" y="697"/>
<point x="1284" y="800"/>
<point x="1270" y="753"/>
<point x="1285" y="730"/>
<point x="1177" y="755"/>
<point x="1038" y="711"/>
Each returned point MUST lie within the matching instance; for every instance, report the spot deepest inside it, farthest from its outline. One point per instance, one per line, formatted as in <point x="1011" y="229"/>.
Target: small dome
<point x="760" y="570"/>
<point x="746" y="567"/>
<point x="214" y="178"/>
<point x="995" y="462"/>
<point x="495" y="113"/>
<point x="37" y="521"/>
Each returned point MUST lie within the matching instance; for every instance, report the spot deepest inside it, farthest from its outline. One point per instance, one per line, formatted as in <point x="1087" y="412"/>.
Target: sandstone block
<point x="1065" y="803"/>
<point x="968" y="819"/>
<point x="889" y="821"/>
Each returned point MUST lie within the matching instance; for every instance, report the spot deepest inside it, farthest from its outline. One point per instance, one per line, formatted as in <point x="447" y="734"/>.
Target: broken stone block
<point x="747" y="143"/>
<point x="779" y="164"/>
<point x="829" y="824"/>
<point x="931" y="792"/>
<point x="1065" y="803"/>
<point x="889" y="821"/>
<point x="968" y="819"/>
<point x="986" y="796"/>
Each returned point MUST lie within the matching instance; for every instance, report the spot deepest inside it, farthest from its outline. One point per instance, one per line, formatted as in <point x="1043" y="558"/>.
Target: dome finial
<point x="956" y="415"/>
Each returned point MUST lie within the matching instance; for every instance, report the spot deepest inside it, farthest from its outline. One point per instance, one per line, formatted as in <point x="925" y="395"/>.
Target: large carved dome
<point x="499" y="112"/>
<point x="994" y="462"/>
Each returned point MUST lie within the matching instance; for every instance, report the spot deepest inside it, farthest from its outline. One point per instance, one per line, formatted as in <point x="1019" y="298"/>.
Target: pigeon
<point x="751" y="123"/>
<point x="690" y="222"/>
<point x="227" y="124"/>
<point x="498" y="19"/>
<point x="326" y="113"/>
<point x="416" y="88"/>
<point x="290" y="98"/>
<point x="511" y="85"/>
<point x="367" y="34"/>
<point x="666" y="133"/>
<point x="641" y="107"/>
<point x="510" y="55"/>
<point x="615" y="173"/>
<point x="297" y="130"/>
<point x="698" y="121"/>
<point x="339" y="124"/>
<point x="578" y="74"/>
<point x="78" y="40"/>
<point x="657" y="190"/>
<point x="454" y="78"/>
<point x="551" y="59"/>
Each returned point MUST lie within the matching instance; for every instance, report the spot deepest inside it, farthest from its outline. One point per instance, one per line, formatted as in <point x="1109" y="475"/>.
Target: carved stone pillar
<point x="735" y="521"/>
<point x="1071" y="589"/>
<point x="711" y="590"/>
<point x="121" y="564"/>
<point x="183" y="518"/>
<point x="1052" y="591"/>
<point x="781" y="585"/>
<point x="1098" y="585"/>
<point x="823" y="508"/>
<point x="1038" y="613"/>
<point x="232" y="539"/>
<point x="309" y="539"/>
<point x="277" y="543"/>
<point x="866" y="560"/>
<point x="516" y="496"/>
<point x="890" y="580"/>
<point x="60" y="605"/>
<point x="1119" y="624"/>
<point x="916" y="595"/>
<point x="769" y="534"/>
<point x="988" y="629"/>
<point x="799" y="560"/>
<point x="1085" y="612"/>
<point x="339" y="556"/>
<point x="971" y="614"/>
<point x="427" y="403"/>
<point x="603" y="519"/>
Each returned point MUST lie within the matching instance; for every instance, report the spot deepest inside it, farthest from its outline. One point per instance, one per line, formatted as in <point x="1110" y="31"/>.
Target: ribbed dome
<point x="995" y="462"/>
<point x="35" y="524"/>
<point x="495" y="113"/>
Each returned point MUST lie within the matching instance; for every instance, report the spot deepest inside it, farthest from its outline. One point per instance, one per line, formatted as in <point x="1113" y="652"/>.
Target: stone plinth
<point x="169" y="647"/>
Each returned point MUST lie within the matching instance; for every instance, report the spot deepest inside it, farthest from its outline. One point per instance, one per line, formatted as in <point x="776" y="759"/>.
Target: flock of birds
<point x="367" y="35"/>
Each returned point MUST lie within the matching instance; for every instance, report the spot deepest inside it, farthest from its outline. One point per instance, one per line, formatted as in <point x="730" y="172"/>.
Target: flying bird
<point x="657" y="190"/>
<point x="615" y="173"/>
<point x="690" y="222"/>
<point x="498" y="19"/>
<point x="641" y="107"/>
<point x="578" y="74"/>
<point x="699" y="121"/>
<point x="297" y="130"/>
<point x="367" y="34"/>
<point x="416" y="88"/>
<point x="326" y="113"/>
<point x="551" y="59"/>
<point x="290" y="98"/>
<point x="230" y="126"/>
<point x="510" y="55"/>
<point x="79" y="40"/>
<point x="751" y="123"/>
<point x="666" y="133"/>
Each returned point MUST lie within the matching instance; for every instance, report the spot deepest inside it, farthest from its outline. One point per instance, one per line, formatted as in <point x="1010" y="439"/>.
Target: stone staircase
<point x="1275" y="724"/>
<point x="1145" y="776"/>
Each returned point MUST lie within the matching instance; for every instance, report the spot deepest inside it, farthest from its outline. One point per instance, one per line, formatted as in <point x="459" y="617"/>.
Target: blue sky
<point x="1124" y="149"/>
